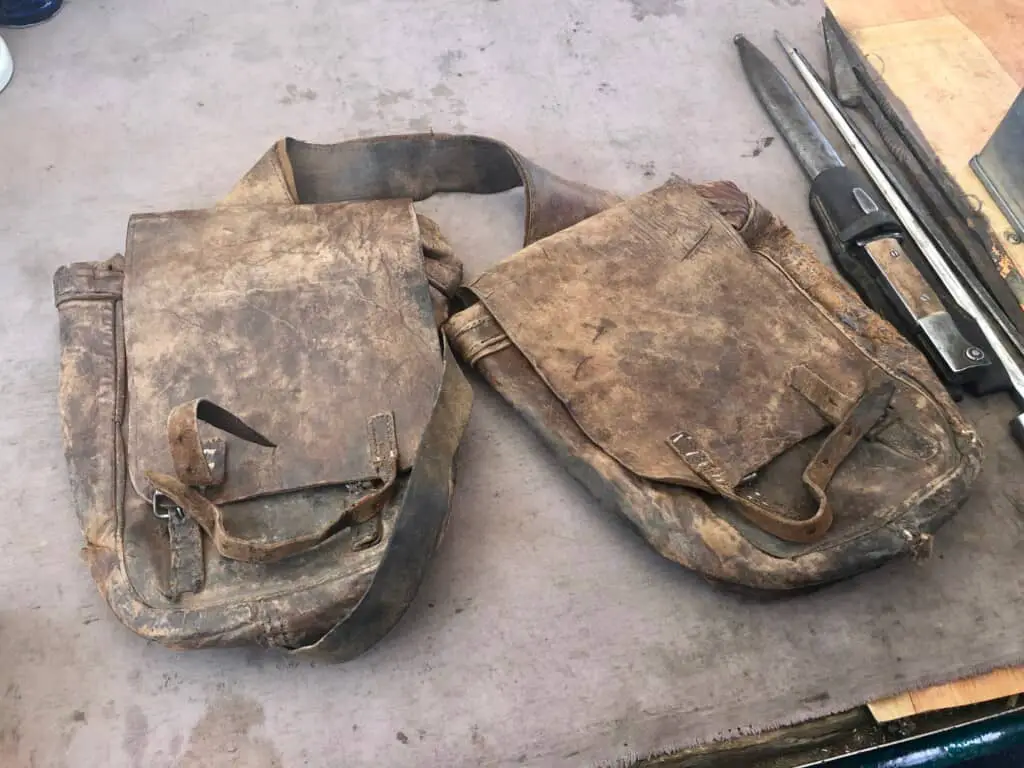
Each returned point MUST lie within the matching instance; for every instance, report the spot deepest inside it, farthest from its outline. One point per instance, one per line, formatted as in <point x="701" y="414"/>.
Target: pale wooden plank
<point x="949" y="81"/>
<point x="1000" y="26"/>
<point x="856" y="14"/>
<point x="997" y="684"/>
<point x="998" y="23"/>
<point x="893" y="708"/>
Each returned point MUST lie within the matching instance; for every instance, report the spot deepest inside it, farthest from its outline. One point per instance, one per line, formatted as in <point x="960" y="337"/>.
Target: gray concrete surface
<point x="545" y="633"/>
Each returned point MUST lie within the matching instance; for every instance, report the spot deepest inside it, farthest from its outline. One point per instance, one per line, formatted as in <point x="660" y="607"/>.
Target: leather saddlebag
<point x="703" y="375"/>
<point x="260" y="415"/>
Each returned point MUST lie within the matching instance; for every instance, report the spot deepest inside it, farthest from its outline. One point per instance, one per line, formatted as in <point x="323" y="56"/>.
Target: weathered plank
<point x="995" y="685"/>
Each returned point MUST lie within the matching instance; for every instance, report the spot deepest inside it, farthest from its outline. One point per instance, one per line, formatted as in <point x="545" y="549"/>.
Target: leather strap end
<point x="197" y="465"/>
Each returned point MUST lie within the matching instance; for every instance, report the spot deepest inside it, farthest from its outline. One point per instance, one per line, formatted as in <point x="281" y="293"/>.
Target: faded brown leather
<point x="700" y="371"/>
<point x="260" y="417"/>
<point x="347" y="260"/>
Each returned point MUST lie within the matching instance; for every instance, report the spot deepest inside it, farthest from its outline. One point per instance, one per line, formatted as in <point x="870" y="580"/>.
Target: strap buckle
<point x="164" y="511"/>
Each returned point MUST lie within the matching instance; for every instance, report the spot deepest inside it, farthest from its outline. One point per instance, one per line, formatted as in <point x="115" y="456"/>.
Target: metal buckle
<point x="164" y="512"/>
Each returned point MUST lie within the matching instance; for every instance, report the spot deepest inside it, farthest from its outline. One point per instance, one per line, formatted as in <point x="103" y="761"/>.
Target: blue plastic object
<point x="25" y="13"/>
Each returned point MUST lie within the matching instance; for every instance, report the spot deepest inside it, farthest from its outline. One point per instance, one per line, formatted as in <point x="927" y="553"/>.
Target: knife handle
<point x="907" y="284"/>
<point x="846" y="218"/>
<point x="863" y="238"/>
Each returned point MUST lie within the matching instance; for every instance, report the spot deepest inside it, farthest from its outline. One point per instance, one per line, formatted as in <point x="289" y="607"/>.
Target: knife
<point x="863" y="235"/>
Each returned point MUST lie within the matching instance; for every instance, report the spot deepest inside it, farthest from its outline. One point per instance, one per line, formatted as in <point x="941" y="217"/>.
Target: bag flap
<point x="303" y="320"/>
<point x="654" y="317"/>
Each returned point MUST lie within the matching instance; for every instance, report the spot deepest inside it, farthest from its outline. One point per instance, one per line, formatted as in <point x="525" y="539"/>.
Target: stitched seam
<point x="488" y="350"/>
<point x="470" y="326"/>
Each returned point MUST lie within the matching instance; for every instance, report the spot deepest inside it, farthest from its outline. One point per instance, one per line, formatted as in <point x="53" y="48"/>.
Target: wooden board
<point x="997" y="684"/>
<point x="957" y="66"/>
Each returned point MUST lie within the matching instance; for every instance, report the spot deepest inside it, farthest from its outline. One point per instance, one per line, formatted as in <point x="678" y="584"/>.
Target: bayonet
<point x="862" y="233"/>
<point x="916" y="185"/>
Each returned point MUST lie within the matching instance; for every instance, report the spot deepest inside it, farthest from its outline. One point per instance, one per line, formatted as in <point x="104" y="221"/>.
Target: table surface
<point x="545" y="631"/>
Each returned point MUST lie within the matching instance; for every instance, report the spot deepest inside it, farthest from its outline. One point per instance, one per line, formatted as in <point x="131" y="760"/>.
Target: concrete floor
<point x="123" y="106"/>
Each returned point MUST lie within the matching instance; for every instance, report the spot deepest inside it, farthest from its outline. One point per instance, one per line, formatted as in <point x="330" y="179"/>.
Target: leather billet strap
<point x="418" y="527"/>
<point x="416" y="166"/>
<point x="865" y="413"/>
<point x="383" y="451"/>
<point x="186" y="571"/>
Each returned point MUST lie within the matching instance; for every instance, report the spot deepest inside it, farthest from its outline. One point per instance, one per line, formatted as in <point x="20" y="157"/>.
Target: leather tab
<point x="475" y="334"/>
<point x="383" y="446"/>
<point x="89" y="281"/>
<point x="832" y="403"/>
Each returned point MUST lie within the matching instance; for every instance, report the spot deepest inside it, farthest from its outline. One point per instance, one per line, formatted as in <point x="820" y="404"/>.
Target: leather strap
<point x="418" y="527"/>
<point x="475" y="334"/>
<point x="865" y="413"/>
<point x="186" y="571"/>
<point x="829" y="401"/>
<point x="416" y="166"/>
<point x="384" y="456"/>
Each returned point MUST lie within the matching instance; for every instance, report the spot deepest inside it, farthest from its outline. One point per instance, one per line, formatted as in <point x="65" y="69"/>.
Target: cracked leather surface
<point x="693" y="308"/>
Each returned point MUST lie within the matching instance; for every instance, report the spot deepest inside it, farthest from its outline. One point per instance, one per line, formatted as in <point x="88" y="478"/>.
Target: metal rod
<point x="913" y="228"/>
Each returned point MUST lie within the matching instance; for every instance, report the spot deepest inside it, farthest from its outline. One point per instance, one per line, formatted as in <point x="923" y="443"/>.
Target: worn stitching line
<point x="751" y="212"/>
<point x="85" y="296"/>
<point x="492" y="348"/>
<point x="473" y="325"/>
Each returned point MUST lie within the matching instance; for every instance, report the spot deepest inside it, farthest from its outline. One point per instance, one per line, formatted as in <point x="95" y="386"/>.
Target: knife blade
<point x="799" y="130"/>
<point x="862" y="234"/>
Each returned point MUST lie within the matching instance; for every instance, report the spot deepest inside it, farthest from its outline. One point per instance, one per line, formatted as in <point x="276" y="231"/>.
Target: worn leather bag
<point x="260" y="416"/>
<point x="702" y="374"/>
